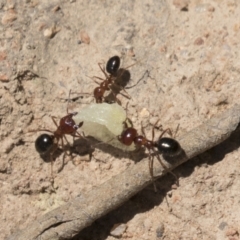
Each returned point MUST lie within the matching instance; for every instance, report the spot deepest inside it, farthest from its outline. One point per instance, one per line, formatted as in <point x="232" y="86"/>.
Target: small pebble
<point x="231" y="232"/>
<point x="11" y="6"/>
<point x="84" y="37"/>
<point x="51" y="32"/>
<point x="9" y="17"/>
<point x="3" y="166"/>
<point x="200" y="8"/>
<point x="199" y="41"/>
<point x="147" y="224"/>
<point x="56" y="8"/>
<point x="6" y="145"/>
<point x="48" y="33"/>
<point x="118" y="230"/>
<point x="181" y="4"/>
<point x="144" y="113"/>
<point x="4" y="78"/>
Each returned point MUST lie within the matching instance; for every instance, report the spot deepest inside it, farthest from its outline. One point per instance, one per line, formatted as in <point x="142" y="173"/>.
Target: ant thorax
<point x="114" y="81"/>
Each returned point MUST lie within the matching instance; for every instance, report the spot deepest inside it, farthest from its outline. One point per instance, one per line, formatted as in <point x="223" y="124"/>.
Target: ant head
<point x="44" y="143"/>
<point x="113" y="65"/>
<point x="168" y="146"/>
<point x="128" y="135"/>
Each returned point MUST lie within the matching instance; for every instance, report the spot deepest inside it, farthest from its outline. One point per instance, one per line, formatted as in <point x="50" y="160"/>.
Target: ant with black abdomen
<point x="166" y="146"/>
<point x="46" y="143"/>
<point x="113" y="73"/>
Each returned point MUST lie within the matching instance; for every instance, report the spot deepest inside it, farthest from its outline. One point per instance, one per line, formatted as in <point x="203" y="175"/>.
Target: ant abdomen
<point x="44" y="143"/>
<point x="113" y="65"/>
<point x="168" y="146"/>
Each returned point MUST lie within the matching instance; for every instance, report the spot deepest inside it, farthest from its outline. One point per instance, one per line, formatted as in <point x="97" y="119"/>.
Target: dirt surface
<point x="186" y="70"/>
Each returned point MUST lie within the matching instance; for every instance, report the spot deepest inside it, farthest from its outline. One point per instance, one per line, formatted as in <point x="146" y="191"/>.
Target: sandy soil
<point x="186" y="70"/>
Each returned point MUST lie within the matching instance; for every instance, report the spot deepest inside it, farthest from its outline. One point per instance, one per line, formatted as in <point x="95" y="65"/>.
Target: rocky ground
<point x="186" y="70"/>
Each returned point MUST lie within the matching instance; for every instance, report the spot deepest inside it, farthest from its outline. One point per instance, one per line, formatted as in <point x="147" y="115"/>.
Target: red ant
<point x="46" y="143"/>
<point x="113" y="72"/>
<point x="166" y="146"/>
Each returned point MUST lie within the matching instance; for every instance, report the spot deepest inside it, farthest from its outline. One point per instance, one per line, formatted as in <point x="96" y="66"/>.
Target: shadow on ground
<point x="148" y="199"/>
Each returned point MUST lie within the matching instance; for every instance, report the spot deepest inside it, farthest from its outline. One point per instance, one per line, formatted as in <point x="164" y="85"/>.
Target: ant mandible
<point x="112" y="68"/>
<point x="166" y="146"/>
<point x="46" y="143"/>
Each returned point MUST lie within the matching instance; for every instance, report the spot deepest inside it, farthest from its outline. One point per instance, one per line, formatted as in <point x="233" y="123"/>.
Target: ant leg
<point x="126" y="96"/>
<point x="65" y="152"/>
<point x="51" y="158"/>
<point x="150" y="164"/>
<point x="99" y="79"/>
<point x="129" y="121"/>
<point x="151" y="173"/>
<point x="130" y="65"/>
<point x="41" y="130"/>
<point x="118" y="90"/>
<point x="77" y="135"/>
<point x="54" y="121"/>
<point x="65" y="140"/>
<point x="83" y="134"/>
<point x="165" y="167"/>
<point x="174" y="135"/>
<point x="62" y="141"/>
<point x="92" y="78"/>
<point x="153" y="132"/>
<point x="61" y="168"/>
<point x="153" y="129"/>
<point x="116" y="99"/>
<point x="104" y="142"/>
<point x="168" y="130"/>
<point x="103" y="70"/>
<point x="68" y="100"/>
<point x="126" y="107"/>
<point x="63" y="162"/>
<point x="143" y="131"/>
<point x="127" y="118"/>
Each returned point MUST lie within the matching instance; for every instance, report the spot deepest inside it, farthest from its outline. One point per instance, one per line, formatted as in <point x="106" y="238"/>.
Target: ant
<point x="46" y="143"/>
<point x="112" y="74"/>
<point x="166" y="146"/>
